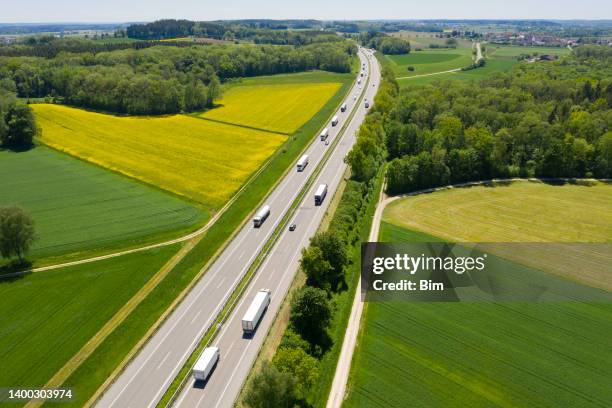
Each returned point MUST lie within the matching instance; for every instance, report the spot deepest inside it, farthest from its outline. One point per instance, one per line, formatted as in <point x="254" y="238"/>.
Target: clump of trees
<point x="384" y="43"/>
<point x="17" y="123"/>
<point x="541" y="120"/>
<point x="16" y="232"/>
<point x="160" y="79"/>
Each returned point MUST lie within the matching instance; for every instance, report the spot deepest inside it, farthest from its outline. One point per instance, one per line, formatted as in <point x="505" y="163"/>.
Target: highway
<point x="149" y="374"/>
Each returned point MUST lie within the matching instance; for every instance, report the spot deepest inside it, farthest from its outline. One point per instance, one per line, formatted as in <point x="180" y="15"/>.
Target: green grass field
<point x="77" y="206"/>
<point x="48" y="316"/>
<point x="515" y="51"/>
<point x="488" y="354"/>
<point x="429" y="61"/>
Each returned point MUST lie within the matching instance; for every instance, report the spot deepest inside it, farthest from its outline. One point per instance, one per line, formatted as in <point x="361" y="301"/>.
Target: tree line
<point x="328" y="262"/>
<point x="384" y="43"/>
<point x="541" y="120"/>
<point x="159" y="79"/>
<point x="258" y="32"/>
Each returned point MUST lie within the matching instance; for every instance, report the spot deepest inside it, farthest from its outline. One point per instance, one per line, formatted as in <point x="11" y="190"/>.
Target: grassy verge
<point x="113" y="351"/>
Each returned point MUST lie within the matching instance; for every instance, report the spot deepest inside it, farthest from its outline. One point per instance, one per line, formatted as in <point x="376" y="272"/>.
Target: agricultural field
<point x="77" y="206"/>
<point x="515" y="51"/>
<point x="48" y="316"/>
<point x="489" y="354"/>
<point x="429" y="61"/>
<point x="493" y="65"/>
<point x="420" y="39"/>
<point x="260" y="106"/>
<point x="202" y="160"/>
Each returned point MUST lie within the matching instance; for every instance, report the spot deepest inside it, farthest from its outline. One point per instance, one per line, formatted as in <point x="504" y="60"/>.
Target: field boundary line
<point x="119" y="369"/>
<point x="222" y="122"/>
<point x="92" y="344"/>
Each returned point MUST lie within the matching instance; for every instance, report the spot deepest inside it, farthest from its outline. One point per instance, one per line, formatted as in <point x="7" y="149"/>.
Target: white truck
<point x="324" y="133"/>
<point x="255" y="311"/>
<point x="343" y="107"/>
<point x="261" y="216"/>
<point x="334" y="121"/>
<point x="205" y="364"/>
<point x="320" y="194"/>
<point x="302" y="163"/>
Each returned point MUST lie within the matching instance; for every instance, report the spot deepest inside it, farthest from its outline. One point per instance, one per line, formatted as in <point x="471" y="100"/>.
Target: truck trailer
<point x="320" y="194"/>
<point x="302" y="163"/>
<point x="334" y="121"/>
<point x="261" y="216"/>
<point x="205" y="364"/>
<point x="324" y="134"/>
<point x="255" y="311"/>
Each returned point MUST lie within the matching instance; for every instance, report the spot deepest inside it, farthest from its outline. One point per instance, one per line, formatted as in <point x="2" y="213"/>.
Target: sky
<point x="43" y="11"/>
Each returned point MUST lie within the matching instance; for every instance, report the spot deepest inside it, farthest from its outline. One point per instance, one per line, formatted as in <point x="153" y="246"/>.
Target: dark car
<point x="292" y="227"/>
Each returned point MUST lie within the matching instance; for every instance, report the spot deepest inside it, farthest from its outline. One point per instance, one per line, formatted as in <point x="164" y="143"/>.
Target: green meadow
<point x="77" y="206"/>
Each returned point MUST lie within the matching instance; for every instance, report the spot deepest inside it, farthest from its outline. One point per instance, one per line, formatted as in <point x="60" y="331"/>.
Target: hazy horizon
<point x="117" y="11"/>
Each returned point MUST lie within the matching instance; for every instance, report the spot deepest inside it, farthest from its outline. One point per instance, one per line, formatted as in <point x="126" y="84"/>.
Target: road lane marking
<point x="195" y="317"/>
<point x="163" y="360"/>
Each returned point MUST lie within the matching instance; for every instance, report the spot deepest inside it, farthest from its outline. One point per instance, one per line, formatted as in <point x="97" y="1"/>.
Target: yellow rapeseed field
<point x="278" y="108"/>
<point x="200" y="159"/>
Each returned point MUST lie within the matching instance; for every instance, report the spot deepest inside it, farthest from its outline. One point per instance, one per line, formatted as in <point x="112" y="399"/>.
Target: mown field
<point x="569" y="213"/>
<point x="481" y="354"/>
<point x="429" y="61"/>
<point x="48" y="316"/>
<point x="515" y="51"/>
<point x="278" y="108"/>
<point x="77" y="206"/>
<point x="199" y="159"/>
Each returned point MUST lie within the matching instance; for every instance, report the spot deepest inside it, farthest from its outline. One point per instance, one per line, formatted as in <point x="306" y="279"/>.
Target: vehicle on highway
<point x="205" y="364"/>
<point x="367" y="104"/>
<point x="362" y="74"/>
<point x="302" y="163"/>
<point x="373" y="85"/>
<point x="320" y="194"/>
<point x="292" y="227"/>
<point x="355" y="97"/>
<point x="324" y="134"/>
<point x="261" y="216"/>
<point x="327" y="143"/>
<point x="359" y="81"/>
<point x="255" y="311"/>
<point x="343" y="107"/>
<point x="334" y="121"/>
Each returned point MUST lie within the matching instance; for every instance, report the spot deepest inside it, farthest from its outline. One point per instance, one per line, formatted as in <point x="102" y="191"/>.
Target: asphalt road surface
<point x="145" y="379"/>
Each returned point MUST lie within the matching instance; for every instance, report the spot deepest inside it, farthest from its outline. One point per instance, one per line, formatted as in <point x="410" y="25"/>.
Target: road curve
<point x="148" y="375"/>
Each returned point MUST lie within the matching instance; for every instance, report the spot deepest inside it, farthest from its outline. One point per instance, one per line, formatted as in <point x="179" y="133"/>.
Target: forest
<point x="155" y="80"/>
<point x="546" y="119"/>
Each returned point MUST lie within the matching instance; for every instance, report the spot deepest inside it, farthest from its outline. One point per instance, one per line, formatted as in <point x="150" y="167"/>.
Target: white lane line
<point x="231" y="378"/>
<point x="241" y="255"/>
<point x="221" y="282"/>
<point x="195" y="317"/>
<point x="163" y="360"/>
